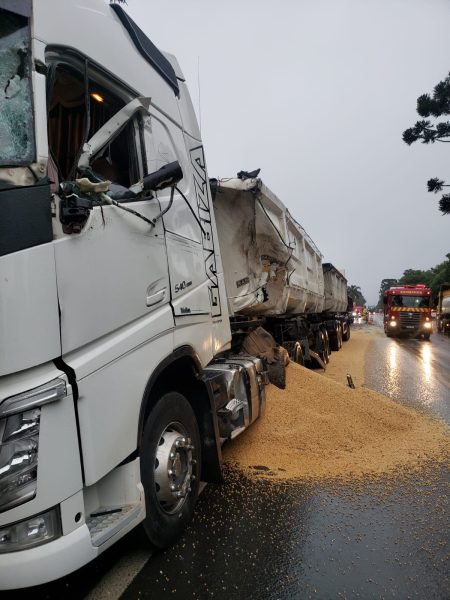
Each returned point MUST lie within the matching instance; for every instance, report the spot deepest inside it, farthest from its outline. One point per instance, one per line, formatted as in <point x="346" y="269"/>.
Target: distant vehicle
<point x="443" y="309"/>
<point x="358" y="311"/>
<point x="407" y="310"/>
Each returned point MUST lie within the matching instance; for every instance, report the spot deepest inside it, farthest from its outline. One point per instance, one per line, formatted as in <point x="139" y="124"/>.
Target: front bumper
<point x="47" y="562"/>
<point x="400" y="328"/>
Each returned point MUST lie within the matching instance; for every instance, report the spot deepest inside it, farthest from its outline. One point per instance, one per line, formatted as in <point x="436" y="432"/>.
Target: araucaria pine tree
<point x="433" y="106"/>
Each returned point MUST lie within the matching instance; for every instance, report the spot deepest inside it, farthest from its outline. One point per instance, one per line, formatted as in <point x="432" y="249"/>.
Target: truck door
<point x="113" y="270"/>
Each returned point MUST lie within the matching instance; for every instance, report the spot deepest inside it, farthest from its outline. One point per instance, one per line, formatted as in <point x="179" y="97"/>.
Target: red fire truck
<point x="407" y="310"/>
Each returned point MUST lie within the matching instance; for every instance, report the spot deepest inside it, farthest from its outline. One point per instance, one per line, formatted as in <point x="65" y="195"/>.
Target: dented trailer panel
<point x="306" y="285"/>
<point x="335" y="289"/>
<point x="272" y="267"/>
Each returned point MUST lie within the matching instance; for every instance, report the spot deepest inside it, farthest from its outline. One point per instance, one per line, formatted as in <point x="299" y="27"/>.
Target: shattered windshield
<point x="16" y="111"/>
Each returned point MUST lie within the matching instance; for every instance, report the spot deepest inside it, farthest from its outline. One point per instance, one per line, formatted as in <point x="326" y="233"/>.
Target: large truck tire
<point x="334" y="341"/>
<point x="426" y="336"/>
<point x="295" y="352"/>
<point x="327" y="345"/>
<point x="321" y="347"/>
<point x="170" y="468"/>
<point x="346" y="334"/>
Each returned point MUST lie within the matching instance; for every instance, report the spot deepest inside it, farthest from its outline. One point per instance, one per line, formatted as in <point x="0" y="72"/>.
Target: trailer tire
<point x="321" y="347"/>
<point x="295" y="352"/>
<point x="346" y="334"/>
<point x="170" y="464"/>
<point x="334" y="341"/>
<point x="327" y="345"/>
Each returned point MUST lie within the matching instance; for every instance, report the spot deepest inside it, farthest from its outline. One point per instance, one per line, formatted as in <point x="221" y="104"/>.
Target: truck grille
<point x="409" y="320"/>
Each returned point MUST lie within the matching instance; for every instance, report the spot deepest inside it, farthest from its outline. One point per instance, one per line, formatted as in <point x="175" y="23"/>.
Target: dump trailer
<point x="443" y="309"/>
<point x="129" y="353"/>
<point x="274" y="272"/>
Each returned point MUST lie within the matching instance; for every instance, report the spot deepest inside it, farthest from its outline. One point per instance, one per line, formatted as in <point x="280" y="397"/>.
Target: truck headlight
<point x="393" y="323"/>
<point x="19" y="442"/>
<point x="427" y="325"/>
<point x="30" y="532"/>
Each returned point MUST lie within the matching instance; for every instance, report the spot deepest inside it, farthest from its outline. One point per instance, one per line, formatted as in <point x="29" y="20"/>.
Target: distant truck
<point x="407" y="311"/>
<point x="357" y="311"/>
<point x="443" y="309"/>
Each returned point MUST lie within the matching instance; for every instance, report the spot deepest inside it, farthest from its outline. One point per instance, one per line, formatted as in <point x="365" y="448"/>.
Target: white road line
<point x="119" y="577"/>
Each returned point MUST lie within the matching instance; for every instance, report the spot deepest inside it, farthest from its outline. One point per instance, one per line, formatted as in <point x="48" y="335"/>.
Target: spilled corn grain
<point x="318" y="428"/>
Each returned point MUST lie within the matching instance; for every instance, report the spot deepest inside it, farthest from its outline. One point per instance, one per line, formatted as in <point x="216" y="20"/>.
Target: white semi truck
<point x="127" y="356"/>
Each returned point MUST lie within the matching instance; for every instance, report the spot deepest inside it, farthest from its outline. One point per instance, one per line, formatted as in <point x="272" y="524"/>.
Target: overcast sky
<point x="317" y="93"/>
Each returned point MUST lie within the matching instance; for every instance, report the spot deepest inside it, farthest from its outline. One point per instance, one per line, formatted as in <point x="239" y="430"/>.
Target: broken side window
<point x="16" y="107"/>
<point x="68" y="109"/>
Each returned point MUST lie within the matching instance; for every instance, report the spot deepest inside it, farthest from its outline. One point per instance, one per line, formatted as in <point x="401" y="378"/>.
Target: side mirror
<point x="167" y="176"/>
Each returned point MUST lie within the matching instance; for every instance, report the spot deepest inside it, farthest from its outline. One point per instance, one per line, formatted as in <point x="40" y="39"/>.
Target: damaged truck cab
<point x="131" y="348"/>
<point x="112" y="300"/>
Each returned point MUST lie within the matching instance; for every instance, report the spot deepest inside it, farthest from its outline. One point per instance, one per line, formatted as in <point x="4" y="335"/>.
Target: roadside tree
<point x="354" y="291"/>
<point x="437" y="105"/>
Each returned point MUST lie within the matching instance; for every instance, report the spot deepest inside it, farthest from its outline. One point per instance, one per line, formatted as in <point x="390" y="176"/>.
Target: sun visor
<point x="147" y="49"/>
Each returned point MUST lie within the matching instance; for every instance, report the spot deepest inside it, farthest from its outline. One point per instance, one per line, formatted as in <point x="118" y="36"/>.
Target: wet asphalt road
<point x="377" y="539"/>
<point x="412" y="371"/>
<point x="380" y="539"/>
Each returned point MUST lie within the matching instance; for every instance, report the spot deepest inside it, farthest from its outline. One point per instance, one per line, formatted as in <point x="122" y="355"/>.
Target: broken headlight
<point x="19" y="442"/>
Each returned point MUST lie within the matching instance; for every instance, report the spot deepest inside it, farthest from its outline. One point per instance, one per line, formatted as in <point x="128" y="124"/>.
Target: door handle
<point x="155" y="298"/>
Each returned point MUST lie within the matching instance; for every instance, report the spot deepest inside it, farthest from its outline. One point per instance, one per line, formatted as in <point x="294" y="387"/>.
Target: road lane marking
<point x="119" y="576"/>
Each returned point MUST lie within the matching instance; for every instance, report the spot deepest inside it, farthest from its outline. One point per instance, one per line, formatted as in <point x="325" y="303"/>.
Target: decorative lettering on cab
<point x="203" y="197"/>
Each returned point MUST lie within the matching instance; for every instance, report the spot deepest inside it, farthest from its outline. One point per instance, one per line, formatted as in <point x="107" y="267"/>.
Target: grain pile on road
<point x="318" y="428"/>
<point x="351" y="359"/>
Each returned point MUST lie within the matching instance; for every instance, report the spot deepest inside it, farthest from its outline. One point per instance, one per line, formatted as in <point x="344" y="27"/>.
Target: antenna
<point x="199" y="96"/>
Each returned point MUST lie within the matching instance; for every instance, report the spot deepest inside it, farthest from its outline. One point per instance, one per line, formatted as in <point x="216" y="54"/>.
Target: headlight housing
<point x="31" y="532"/>
<point x="19" y="442"/>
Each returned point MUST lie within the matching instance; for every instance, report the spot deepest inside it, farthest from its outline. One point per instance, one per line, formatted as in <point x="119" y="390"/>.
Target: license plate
<point x="410" y="327"/>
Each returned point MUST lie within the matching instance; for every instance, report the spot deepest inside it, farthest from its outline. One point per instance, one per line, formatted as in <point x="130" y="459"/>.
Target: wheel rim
<point x="173" y="468"/>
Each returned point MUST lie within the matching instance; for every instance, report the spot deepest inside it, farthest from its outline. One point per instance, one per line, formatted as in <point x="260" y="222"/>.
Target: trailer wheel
<point x="327" y="345"/>
<point x="321" y="349"/>
<point x="295" y="352"/>
<point x="346" y="334"/>
<point x="335" y="340"/>
<point x="170" y="468"/>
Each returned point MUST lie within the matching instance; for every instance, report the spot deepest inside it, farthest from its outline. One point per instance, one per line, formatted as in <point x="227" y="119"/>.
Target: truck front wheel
<point x="170" y="468"/>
